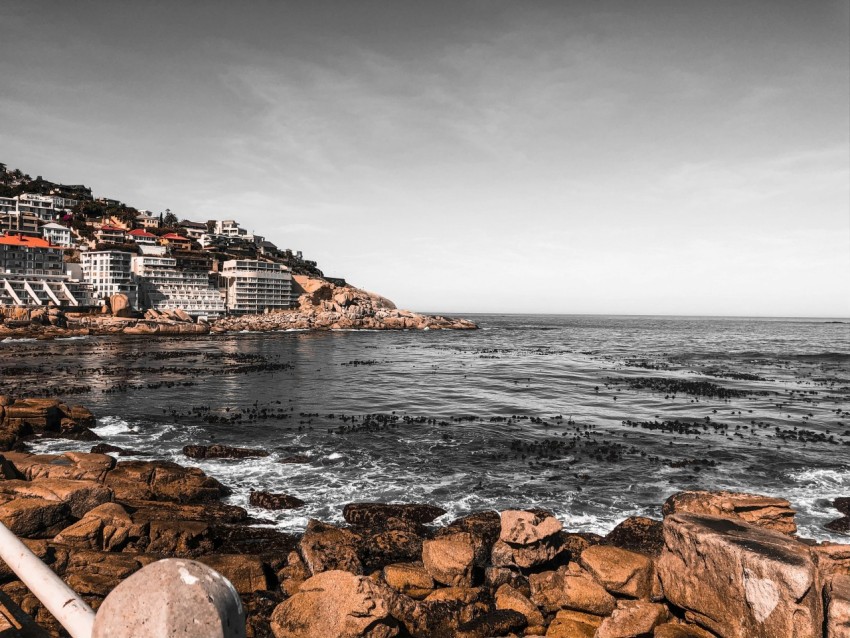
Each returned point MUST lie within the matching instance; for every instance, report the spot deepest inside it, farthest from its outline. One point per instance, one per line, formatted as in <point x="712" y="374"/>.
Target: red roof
<point x="140" y="232"/>
<point x="25" y="240"/>
<point x="175" y="236"/>
<point x="113" y="228"/>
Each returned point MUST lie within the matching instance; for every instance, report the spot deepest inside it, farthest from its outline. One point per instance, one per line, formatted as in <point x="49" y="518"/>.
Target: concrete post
<point x="59" y="599"/>
<point x="172" y="597"/>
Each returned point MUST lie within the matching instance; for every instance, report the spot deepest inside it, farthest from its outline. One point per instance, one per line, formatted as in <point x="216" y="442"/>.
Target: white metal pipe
<point x="59" y="599"/>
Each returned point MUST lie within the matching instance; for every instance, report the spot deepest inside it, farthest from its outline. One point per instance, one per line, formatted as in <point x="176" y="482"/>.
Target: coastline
<point x="96" y="519"/>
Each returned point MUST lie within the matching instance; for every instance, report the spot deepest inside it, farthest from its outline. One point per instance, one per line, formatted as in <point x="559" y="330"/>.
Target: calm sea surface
<point x="593" y="417"/>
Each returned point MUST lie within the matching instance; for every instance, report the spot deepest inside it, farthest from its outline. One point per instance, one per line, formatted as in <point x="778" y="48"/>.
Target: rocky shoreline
<point x="718" y="564"/>
<point x="322" y="305"/>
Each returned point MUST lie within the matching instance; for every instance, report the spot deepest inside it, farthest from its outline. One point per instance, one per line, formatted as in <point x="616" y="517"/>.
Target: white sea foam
<point x="109" y="426"/>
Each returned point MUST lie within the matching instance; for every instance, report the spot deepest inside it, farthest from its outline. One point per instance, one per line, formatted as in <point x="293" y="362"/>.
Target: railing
<point x="170" y="597"/>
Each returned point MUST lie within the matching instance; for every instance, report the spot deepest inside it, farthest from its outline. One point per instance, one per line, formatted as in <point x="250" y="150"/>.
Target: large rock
<point x="120" y="305"/>
<point x="509" y="598"/>
<point x="81" y="496"/>
<point x="570" y="588"/>
<point x="620" y="571"/>
<point x="573" y="624"/>
<point x="450" y="559"/>
<point x="761" y="511"/>
<point x="329" y="548"/>
<point x="163" y="481"/>
<point x="270" y="501"/>
<point x="77" y="466"/>
<point x="484" y="529"/>
<point x="638" y="534"/>
<point x="527" y="539"/>
<point x="494" y="623"/>
<point x="738" y="580"/>
<point x="528" y="527"/>
<point x="632" y="618"/>
<point x="409" y="579"/>
<point x="375" y="515"/>
<point x="221" y="452"/>
<point x="248" y="574"/>
<point x="838" y="607"/>
<point x="35" y="517"/>
<point x="336" y="604"/>
<point x="106" y="527"/>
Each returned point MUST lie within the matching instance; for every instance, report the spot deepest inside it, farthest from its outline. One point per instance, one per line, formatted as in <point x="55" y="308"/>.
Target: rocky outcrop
<point x="739" y="580"/>
<point x="270" y="501"/>
<point x="323" y="305"/>
<point x="762" y="511"/>
<point x="221" y="452"/>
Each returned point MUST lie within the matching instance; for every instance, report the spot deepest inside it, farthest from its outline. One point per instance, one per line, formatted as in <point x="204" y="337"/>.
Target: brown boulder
<point x="375" y="515"/>
<point x="35" y="517"/>
<point x="78" y="466"/>
<point x="573" y="624"/>
<point x="838" y="607"/>
<point x="162" y="481"/>
<point x="632" y="618"/>
<point x="270" y="501"/>
<point x="739" y="580"/>
<point x="527" y="527"/>
<point x="409" y="579"/>
<point x="328" y="548"/>
<point x="105" y="527"/>
<point x="483" y="527"/>
<point x="248" y="574"/>
<point x="120" y="306"/>
<point x="179" y="538"/>
<point x="679" y="629"/>
<point x="761" y="511"/>
<point x="570" y="588"/>
<point x="638" y="534"/>
<point x="335" y="604"/>
<point x="81" y="496"/>
<point x="509" y="598"/>
<point x="494" y="623"/>
<point x="620" y="571"/>
<point x="449" y="559"/>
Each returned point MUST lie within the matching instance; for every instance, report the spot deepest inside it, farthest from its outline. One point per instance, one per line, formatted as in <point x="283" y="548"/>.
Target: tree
<point x="170" y="219"/>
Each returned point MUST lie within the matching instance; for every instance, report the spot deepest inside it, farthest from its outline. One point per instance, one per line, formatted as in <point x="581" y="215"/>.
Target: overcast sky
<point x="633" y="157"/>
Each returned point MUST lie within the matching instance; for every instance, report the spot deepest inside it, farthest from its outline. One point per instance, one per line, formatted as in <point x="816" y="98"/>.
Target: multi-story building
<point x="143" y="237"/>
<point x="165" y="286"/>
<point x="254" y="287"/>
<point x="193" y="230"/>
<point x="31" y="274"/>
<point x="57" y="234"/>
<point x="175" y="241"/>
<point x="110" y="273"/>
<point x="229" y="228"/>
<point x="111" y="235"/>
<point x="39" y="205"/>
<point x="20" y="223"/>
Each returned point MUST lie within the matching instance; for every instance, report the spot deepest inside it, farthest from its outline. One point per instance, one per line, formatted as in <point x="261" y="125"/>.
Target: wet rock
<point x="80" y="496"/>
<point x="221" y="452"/>
<point x="35" y="517"/>
<point x="839" y="525"/>
<point x="842" y="504"/>
<point x="106" y="448"/>
<point x="270" y="501"/>
<point x="632" y="618"/>
<point x="620" y="571"/>
<point x="449" y="559"/>
<point x="143" y="510"/>
<point x="106" y="527"/>
<point x="494" y="623"/>
<point x="509" y="598"/>
<point x="328" y="548"/>
<point x="761" y="511"/>
<point x="334" y="603"/>
<point x="638" y="534"/>
<point x="179" y="538"/>
<point x="375" y="515"/>
<point x="248" y="574"/>
<point x="296" y="458"/>
<point x="570" y="588"/>
<point x="162" y="480"/>
<point x="77" y="466"/>
<point x="573" y="624"/>
<point x="70" y="429"/>
<point x="495" y="577"/>
<point x="391" y="546"/>
<point x="409" y="579"/>
<point x="292" y="574"/>
<point x="739" y="580"/>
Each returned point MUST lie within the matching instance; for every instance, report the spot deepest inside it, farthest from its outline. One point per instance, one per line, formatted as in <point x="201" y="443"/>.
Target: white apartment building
<point x="229" y="228"/>
<point x="164" y="286"/>
<point x="110" y="272"/>
<point x="254" y="287"/>
<point x="39" y="205"/>
<point x="57" y="234"/>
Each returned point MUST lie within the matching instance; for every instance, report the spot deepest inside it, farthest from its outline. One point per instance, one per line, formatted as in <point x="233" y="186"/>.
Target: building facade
<point x="109" y="272"/>
<point x="57" y="234"/>
<point x="165" y="286"/>
<point x="255" y="287"/>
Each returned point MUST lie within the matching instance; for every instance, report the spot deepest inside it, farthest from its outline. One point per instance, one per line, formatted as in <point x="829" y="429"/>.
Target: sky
<point x="655" y="157"/>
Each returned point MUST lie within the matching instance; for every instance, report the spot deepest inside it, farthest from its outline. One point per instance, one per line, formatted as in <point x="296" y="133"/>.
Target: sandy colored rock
<point x="248" y="574"/>
<point x="77" y="466"/>
<point x="632" y="618"/>
<point x="509" y="598"/>
<point x="162" y="480"/>
<point x="679" y="629"/>
<point x="409" y="579"/>
<point x="761" y="511"/>
<point x="334" y="604"/>
<point x="838" y="607"/>
<point x="527" y="527"/>
<point x="620" y="571"/>
<point x="80" y="496"/>
<point x="35" y="517"/>
<point x="570" y="589"/>
<point x="739" y="580"/>
<point x="329" y="548"/>
<point x="449" y="559"/>
<point x="573" y="624"/>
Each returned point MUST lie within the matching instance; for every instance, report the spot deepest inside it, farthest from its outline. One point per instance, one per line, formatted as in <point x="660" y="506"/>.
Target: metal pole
<point x="59" y="599"/>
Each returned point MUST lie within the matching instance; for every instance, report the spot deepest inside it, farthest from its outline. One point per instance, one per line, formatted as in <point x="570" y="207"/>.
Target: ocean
<point x="593" y="417"/>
